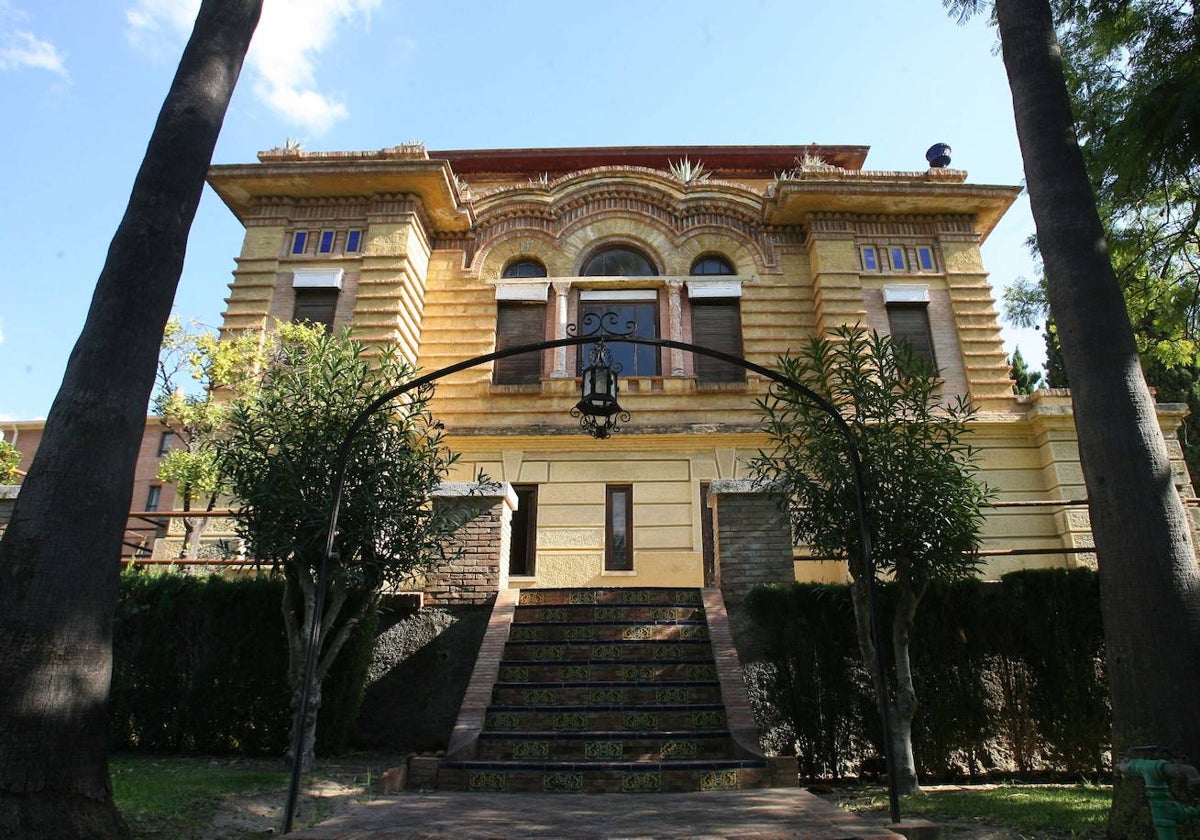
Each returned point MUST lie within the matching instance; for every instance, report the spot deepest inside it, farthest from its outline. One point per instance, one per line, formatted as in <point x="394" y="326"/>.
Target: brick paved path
<point x="762" y="814"/>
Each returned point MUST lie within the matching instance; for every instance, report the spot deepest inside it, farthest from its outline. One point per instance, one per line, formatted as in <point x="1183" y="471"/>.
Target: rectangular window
<point x="152" y="498"/>
<point x="717" y="325"/>
<point x="299" y="242"/>
<point x="164" y="443"/>
<point x="523" y="548"/>
<point x="325" y="245"/>
<point x="353" y="241"/>
<point x="897" y="255"/>
<point x="910" y="323"/>
<point x="517" y="324"/>
<point x="634" y="359"/>
<point x="317" y="306"/>
<point x="925" y="258"/>
<point x="618" y="528"/>
<point x="870" y="260"/>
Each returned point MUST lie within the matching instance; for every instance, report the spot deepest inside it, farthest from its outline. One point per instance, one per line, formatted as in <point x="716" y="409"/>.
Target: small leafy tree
<point x="221" y="370"/>
<point x="1025" y="380"/>
<point x="923" y="498"/>
<point x="10" y="460"/>
<point x="280" y="453"/>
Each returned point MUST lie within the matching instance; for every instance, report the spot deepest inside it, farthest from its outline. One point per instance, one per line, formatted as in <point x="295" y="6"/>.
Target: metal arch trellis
<point x="867" y="567"/>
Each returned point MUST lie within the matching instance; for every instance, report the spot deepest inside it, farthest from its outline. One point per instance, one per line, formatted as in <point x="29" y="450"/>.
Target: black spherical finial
<point x="938" y="156"/>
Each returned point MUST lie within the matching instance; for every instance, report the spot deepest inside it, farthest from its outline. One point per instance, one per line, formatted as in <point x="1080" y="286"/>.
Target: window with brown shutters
<point x="717" y="325"/>
<point x="317" y="306"/>
<point x="910" y="323"/>
<point x="517" y="324"/>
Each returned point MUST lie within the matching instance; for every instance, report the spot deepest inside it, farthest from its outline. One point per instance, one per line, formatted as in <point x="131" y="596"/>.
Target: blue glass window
<point x="353" y="241"/>
<point x="299" y="242"/>
<point x="326" y="244"/>
<point x="869" y="259"/>
<point x="925" y="258"/>
<point x="634" y="359"/>
<point x="897" y="254"/>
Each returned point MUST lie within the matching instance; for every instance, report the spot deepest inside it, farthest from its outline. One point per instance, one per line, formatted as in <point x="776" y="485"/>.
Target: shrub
<point x="1010" y="676"/>
<point x="200" y="666"/>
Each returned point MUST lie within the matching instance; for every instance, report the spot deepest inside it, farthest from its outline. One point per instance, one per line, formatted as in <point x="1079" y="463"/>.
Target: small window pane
<point x="326" y="245"/>
<point x="618" y="542"/>
<point x="164" y="443"/>
<point x="353" y="241"/>
<point x="898" y="262"/>
<point x="925" y="258"/>
<point x="712" y="265"/>
<point x="300" y="242"/>
<point x="869" y="259"/>
<point x="524" y="268"/>
<point x="152" y="498"/>
<point x="618" y="262"/>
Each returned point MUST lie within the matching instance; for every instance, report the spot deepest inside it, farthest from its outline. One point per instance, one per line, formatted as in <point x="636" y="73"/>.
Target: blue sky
<point x="81" y="84"/>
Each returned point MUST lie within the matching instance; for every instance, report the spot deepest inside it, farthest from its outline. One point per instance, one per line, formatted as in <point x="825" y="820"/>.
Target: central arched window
<point x="618" y="261"/>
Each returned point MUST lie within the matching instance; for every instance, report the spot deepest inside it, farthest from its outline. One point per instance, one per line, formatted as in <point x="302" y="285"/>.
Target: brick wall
<point x="751" y="537"/>
<point x="479" y="553"/>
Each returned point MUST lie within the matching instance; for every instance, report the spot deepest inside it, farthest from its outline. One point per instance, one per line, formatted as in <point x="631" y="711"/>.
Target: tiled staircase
<point x="605" y="690"/>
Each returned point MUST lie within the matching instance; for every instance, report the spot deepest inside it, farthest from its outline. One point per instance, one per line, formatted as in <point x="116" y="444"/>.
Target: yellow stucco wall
<point x="426" y="281"/>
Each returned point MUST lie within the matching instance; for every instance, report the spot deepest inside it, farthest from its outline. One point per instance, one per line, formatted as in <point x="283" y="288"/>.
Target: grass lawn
<point x="1029" y="811"/>
<point x="177" y="797"/>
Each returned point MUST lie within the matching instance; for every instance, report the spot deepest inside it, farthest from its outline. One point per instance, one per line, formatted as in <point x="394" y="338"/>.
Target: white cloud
<point x="20" y="48"/>
<point x="283" y="56"/>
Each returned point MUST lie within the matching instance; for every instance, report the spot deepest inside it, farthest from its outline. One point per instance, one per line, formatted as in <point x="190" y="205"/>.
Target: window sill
<point x="738" y="385"/>
<point x="522" y="388"/>
<point x="618" y="573"/>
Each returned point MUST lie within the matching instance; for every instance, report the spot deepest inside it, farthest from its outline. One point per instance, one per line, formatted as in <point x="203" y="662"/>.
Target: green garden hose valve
<point x="1168" y="812"/>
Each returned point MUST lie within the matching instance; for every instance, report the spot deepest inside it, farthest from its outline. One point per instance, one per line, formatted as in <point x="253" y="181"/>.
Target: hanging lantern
<point x="598" y="410"/>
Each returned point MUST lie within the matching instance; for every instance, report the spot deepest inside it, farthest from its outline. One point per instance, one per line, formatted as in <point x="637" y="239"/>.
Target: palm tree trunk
<point x="59" y="559"/>
<point x="1150" y="583"/>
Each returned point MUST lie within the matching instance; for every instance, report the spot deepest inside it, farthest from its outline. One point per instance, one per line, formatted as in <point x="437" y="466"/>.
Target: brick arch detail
<point x="561" y="223"/>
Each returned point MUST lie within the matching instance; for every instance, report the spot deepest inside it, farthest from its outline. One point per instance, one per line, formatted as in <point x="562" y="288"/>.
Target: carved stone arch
<point x="745" y="256"/>
<point x="590" y="235"/>
<point x="534" y="244"/>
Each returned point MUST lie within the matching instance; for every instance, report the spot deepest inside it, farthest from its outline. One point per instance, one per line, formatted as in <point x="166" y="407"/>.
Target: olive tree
<point x="279" y="452"/>
<point x="919" y="477"/>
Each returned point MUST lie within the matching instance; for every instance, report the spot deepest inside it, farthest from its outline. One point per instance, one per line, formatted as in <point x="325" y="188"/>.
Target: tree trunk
<point x="1149" y="580"/>
<point x="299" y="602"/>
<point x="905" y="707"/>
<point x="59" y="559"/>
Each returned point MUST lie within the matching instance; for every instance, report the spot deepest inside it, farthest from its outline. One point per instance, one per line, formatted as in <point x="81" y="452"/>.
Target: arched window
<point x="712" y="264"/>
<point x="618" y="261"/>
<point x="525" y="267"/>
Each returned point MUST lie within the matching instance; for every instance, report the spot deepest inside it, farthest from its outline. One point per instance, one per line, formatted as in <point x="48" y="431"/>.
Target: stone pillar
<point x="675" y="324"/>
<point x="751" y="537"/>
<point x="479" y="552"/>
<point x="561" y="289"/>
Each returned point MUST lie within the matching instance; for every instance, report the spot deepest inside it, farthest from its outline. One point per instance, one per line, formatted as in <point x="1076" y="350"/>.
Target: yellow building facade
<point x="456" y="254"/>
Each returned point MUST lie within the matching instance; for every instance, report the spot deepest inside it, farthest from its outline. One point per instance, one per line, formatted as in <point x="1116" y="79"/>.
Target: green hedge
<point x="200" y="666"/>
<point x="1009" y="675"/>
